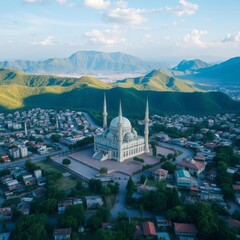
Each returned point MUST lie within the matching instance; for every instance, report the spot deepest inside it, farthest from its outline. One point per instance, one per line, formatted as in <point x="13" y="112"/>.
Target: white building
<point x="23" y="151"/>
<point x="120" y="141"/>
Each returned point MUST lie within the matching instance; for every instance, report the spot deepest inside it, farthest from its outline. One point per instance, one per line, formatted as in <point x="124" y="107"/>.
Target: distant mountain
<point x="158" y="80"/>
<point x="190" y="65"/>
<point x="84" y="62"/>
<point x="227" y="72"/>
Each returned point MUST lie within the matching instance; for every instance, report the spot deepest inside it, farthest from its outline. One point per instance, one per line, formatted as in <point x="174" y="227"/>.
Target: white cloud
<point x="98" y="4"/>
<point x="61" y="2"/>
<point x="46" y="42"/>
<point x="105" y="37"/>
<point x="32" y="1"/>
<point x="232" y="38"/>
<point x="185" y="7"/>
<point x="126" y="15"/>
<point x="194" y="39"/>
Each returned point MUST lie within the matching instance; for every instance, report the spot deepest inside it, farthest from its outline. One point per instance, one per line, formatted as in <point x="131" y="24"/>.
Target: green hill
<point x="20" y="90"/>
<point x="158" y="80"/>
<point x="8" y="77"/>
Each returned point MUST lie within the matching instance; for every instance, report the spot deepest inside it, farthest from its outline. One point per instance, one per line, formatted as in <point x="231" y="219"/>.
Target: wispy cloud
<point x="232" y="38"/>
<point x="126" y="15"/>
<point x="46" y="42"/>
<point x="97" y="4"/>
<point x="193" y="39"/>
<point x="105" y="37"/>
<point x="185" y="8"/>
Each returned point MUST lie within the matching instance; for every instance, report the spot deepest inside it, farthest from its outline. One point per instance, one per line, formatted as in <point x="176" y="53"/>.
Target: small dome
<point x="129" y="136"/>
<point x="110" y="135"/>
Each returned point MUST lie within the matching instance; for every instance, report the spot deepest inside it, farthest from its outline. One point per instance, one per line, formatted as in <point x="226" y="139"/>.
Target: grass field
<point x="64" y="183"/>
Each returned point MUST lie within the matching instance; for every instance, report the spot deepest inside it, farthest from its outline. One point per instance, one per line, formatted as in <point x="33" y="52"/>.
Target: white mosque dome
<point x="126" y="125"/>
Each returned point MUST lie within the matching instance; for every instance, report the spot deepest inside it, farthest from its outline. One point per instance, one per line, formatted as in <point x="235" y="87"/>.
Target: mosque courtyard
<point x="83" y="164"/>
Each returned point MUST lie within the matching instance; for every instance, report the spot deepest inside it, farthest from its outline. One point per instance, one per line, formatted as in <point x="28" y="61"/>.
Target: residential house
<point x="29" y="180"/>
<point x="68" y="202"/>
<point x="93" y="202"/>
<point x="160" y="174"/>
<point x="5" y="213"/>
<point x="189" y="164"/>
<point x="5" y="159"/>
<point x="148" y="230"/>
<point x="185" y="229"/>
<point x="162" y="221"/>
<point x="39" y="192"/>
<point x="62" y="234"/>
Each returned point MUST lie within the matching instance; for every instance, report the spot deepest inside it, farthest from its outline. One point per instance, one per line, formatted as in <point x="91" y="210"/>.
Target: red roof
<point x="236" y="187"/>
<point x="185" y="228"/>
<point x="190" y="163"/>
<point x="233" y="223"/>
<point x="148" y="229"/>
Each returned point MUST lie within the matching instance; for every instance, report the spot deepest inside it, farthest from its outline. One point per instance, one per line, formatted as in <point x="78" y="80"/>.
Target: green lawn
<point x="64" y="183"/>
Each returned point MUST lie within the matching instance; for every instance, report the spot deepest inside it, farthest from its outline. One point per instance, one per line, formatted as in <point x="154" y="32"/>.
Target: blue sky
<point x="157" y="30"/>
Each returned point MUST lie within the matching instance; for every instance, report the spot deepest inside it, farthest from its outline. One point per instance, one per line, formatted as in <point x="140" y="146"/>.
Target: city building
<point x="189" y="164"/>
<point x="149" y="230"/>
<point x="185" y="229"/>
<point x="160" y="174"/>
<point x="93" y="202"/>
<point x="62" y="234"/>
<point x="23" y="151"/>
<point x="183" y="178"/>
<point x="120" y="141"/>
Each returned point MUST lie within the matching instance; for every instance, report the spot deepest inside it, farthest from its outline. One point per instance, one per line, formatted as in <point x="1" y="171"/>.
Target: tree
<point x="154" y="148"/>
<point x="172" y="198"/>
<point x="66" y="161"/>
<point x="31" y="227"/>
<point x="142" y="179"/>
<point x="103" y="234"/>
<point x="55" y="137"/>
<point x="80" y="187"/>
<point x="95" y="185"/>
<point x="73" y="216"/>
<point x="103" y="170"/>
<point x="31" y="167"/>
<point x="141" y="211"/>
<point x="103" y="213"/>
<point x="169" y="166"/>
<point x="130" y="186"/>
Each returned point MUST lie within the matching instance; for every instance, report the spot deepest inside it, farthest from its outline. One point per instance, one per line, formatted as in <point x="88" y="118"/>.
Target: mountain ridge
<point x="84" y="62"/>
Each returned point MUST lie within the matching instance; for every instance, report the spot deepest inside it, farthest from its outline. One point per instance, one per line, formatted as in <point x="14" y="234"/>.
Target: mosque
<point x="120" y="141"/>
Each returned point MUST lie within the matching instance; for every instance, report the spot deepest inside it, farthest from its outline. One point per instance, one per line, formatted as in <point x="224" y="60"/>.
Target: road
<point x="120" y="205"/>
<point x="35" y="158"/>
<point x="185" y="151"/>
<point x="90" y="120"/>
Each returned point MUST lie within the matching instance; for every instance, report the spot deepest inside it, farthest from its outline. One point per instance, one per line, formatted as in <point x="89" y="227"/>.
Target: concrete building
<point x="183" y="178"/>
<point x="160" y="174"/>
<point x="14" y="152"/>
<point x="120" y="141"/>
<point x="23" y="151"/>
<point x="93" y="202"/>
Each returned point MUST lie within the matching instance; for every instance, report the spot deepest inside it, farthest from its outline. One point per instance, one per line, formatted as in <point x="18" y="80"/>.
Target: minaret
<point x="57" y="124"/>
<point x="120" y="136"/>
<point x="25" y="128"/>
<point x="146" y="127"/>
<point x="104" y="112"/>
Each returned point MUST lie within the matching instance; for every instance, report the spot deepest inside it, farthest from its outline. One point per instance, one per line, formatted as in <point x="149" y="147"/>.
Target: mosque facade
<point x="120" y="140"/>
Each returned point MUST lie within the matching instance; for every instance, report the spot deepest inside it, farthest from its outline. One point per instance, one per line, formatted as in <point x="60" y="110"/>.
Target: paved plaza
<point x="83" y="163"/>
